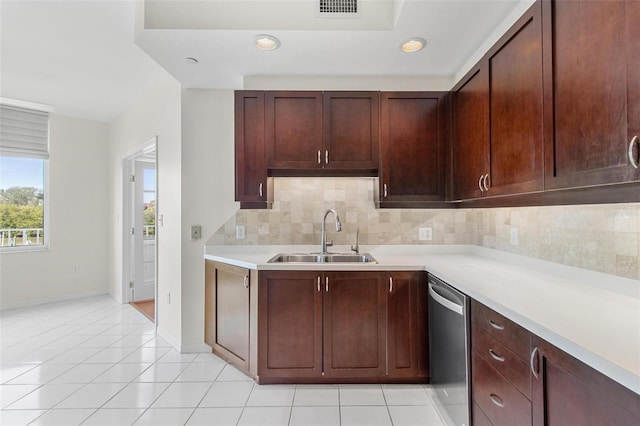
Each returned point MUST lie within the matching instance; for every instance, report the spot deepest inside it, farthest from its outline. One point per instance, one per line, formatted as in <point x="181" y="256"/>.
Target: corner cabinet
<point x="592" y="64"/>
<point x="498" y="116"/>
<point x="253" y="187"/>
<point x="341" y="327"/>
<point x="413" y="142"/>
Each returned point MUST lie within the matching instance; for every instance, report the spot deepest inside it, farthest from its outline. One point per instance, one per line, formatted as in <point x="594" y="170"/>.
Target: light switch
<point x="196" y="232"/>
<point x="425" y="234"/>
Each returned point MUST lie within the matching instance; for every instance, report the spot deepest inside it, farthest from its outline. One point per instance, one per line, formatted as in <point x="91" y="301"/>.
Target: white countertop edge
<point x="391" y="258"/>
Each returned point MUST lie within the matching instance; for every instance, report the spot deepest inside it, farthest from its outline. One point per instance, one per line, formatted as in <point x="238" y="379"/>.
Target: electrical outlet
<point x="425" y="234"/>
<point x="514" y="236"/>
<point x="240" y="235"/>
<point x="196" y="232"/>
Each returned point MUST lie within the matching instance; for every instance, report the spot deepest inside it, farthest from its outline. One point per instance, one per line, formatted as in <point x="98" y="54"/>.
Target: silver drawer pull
<point x="496" y="400"/>
<point x="318" y="283"/>
<point x="496" y="326"/>
<point x="326" y="157"/>
<point x="496" y="357"/>
<point x="480" y="183"/>
<point x="319" y="161"/>
<point x="260" y="189"/>
<point x="486" y="179"/>
<point x="326" y="284"/>
<point x="246" y="281"/>
<point x="384" y="187"/>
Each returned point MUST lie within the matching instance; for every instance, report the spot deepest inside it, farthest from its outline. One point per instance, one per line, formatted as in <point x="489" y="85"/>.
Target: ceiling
<point x="91" y="58"/>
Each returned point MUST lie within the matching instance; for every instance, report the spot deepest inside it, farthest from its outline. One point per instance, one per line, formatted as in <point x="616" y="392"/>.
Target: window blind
<point x="24" y="132"/>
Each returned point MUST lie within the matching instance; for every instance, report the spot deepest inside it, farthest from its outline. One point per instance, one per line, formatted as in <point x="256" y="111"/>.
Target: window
<point x="24" y="152"/>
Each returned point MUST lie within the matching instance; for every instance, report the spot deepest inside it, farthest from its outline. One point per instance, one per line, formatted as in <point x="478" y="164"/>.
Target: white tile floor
<point x="95" y="362"/>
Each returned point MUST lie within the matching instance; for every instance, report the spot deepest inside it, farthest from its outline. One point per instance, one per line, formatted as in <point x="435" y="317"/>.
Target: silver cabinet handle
<point x="390" y="284"/>
<point x="630" y="153"/>
<point x="496" y="400"/>
<point x="384" y="187"/>
<point x="326" y="284"/>
<point x="496" y="357"/>
<point x="486" y="179"/>
<point x="533" y="355"/>
<point x="319" y="160"/>
<point x="496" y="326"/>
<point x="326" y="157"/>
<point x="246" y="281"/>
<point x="260" y="189"/>
<point x="480" y="183"/>
<point x="318" y="283"/>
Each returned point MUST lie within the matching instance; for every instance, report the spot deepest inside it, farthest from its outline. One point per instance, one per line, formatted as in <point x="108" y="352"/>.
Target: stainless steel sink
<point x="322" y="258"/>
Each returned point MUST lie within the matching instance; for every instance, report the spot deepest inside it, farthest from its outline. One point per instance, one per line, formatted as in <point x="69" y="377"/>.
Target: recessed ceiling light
<point x="266" y="42"/>
<point x="191" y="60"/>
<point x="413" y="44"/>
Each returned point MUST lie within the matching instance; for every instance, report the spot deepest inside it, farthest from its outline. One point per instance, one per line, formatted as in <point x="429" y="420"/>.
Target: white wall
<point x="390" y="84"/>
<point x="155" y="112"/>
<point x="76" y="263"/>
<point x="207" y="193"/>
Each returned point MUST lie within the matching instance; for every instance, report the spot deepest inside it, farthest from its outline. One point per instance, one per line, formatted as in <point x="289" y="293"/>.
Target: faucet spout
<point x="324" y="242"/>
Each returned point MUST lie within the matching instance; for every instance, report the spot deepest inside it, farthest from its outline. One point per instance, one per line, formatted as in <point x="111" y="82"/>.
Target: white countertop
<point x="593" y="316"/>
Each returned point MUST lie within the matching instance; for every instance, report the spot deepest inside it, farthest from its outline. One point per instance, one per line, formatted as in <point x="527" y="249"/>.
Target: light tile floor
<point x="96" y="362"/>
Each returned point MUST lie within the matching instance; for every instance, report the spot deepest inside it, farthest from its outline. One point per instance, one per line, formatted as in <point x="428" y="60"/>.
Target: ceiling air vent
<point x="338" y="6"/>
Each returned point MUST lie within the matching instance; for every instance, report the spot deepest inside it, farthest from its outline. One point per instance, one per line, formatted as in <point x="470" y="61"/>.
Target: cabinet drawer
<point x="478" y="417"/>
<point x="498" y="399"/>
<point x="510" y="334"/>
<point x="504" y="361"/>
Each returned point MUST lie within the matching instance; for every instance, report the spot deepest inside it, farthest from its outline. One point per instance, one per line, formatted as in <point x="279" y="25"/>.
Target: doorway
<point x="140" y="236"/>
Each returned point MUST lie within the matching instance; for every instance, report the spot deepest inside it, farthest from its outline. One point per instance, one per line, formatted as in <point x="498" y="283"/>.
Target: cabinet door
<point x="516" y="108"/>
<point x="227" y="312"/>
<point x="568" y="392"/>
<point x="407" y="339"/>
<point x="354" y="324"/>
<point x="587" y="63"/>
<point x="350" y="130"/>
<point x="293" y="123"/>
<point x="413" y="146"/>
<point x="289" y="324"/>
<point x="471" y="133"/>
<point x="250" y="158"/>
<point x="633" y="80"/>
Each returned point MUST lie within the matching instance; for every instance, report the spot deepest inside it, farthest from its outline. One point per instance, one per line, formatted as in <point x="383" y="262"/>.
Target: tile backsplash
<point x="604" y="238"/>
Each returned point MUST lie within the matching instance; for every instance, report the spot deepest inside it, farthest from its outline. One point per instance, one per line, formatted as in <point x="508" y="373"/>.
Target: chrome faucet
<point x="356" y="248"/>
<point x="324" y="241"/>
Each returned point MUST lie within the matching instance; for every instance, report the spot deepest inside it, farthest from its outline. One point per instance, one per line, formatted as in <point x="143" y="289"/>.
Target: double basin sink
<point x="322" y="258"/>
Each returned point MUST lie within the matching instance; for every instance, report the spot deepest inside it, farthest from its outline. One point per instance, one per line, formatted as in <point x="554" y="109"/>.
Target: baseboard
<point x="196" y="348"/>
<point x="52" y="299"/>
<point x="168" y="337"/>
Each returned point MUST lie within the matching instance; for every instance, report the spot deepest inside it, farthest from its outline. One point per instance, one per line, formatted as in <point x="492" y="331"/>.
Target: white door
<point x="144" y="231"/>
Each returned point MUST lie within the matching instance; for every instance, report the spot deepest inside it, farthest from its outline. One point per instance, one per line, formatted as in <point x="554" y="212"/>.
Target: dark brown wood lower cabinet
<point x="407" y="328"/>
<point x="289" y="325"/>
<point x="354" y="324"/>
<point x="341" y="327"/>
<point x="227" y="312"/>
<point x="568" y="392"/>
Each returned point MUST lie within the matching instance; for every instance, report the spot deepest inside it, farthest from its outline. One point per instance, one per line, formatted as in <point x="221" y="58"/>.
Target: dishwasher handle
<point x="444" y="301"/>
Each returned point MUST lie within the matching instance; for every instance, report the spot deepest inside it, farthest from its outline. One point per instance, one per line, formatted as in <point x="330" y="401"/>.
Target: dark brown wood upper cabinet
<point x="413" y="144"/>
<point x="470" y="133"/>
<point x="591" y="66"/>
<point x="307" y="131"/>
<point x="293" y="130"/>
<point x="253" y="188"/>
<point x="350" y="130"/>
<point x="516" y="109"/>
<point x="498" y="116"/>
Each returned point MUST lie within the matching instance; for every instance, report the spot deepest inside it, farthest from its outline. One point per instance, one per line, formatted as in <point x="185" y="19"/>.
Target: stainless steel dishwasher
<point x="449" y="351"/>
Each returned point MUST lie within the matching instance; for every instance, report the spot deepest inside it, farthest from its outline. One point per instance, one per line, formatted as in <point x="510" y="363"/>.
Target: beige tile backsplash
<point x="604" y="238"/>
